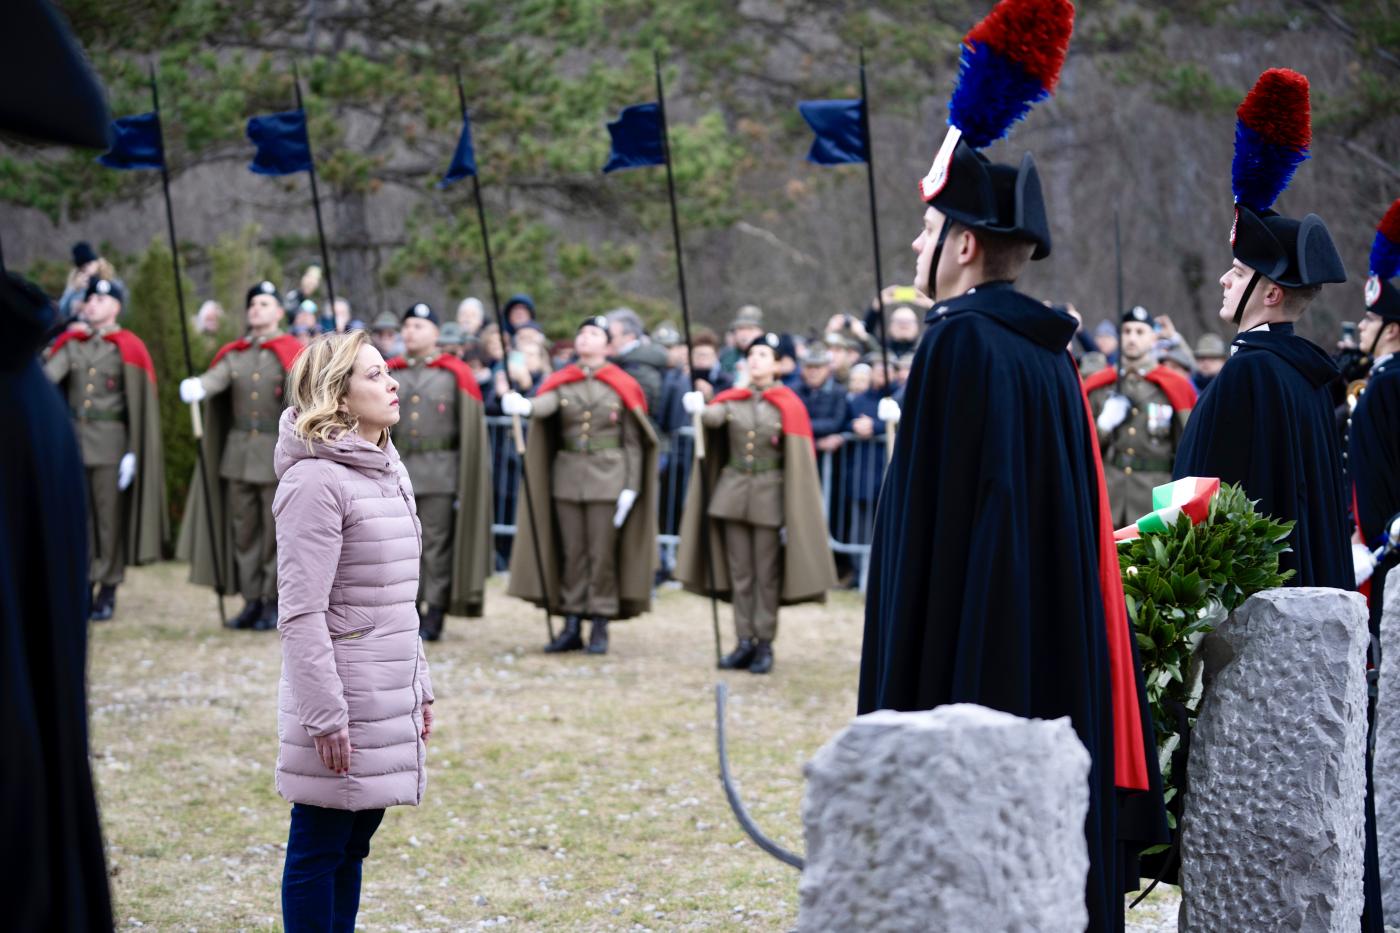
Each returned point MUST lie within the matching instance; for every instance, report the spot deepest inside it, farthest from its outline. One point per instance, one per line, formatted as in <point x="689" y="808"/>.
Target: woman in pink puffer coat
<point x="354" y="704"/>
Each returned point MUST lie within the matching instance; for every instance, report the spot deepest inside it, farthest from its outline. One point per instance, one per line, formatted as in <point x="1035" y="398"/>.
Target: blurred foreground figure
<point x="53" y="875"/>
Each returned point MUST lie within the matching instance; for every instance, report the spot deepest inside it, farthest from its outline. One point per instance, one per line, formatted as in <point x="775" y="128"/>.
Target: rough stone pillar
<point x="960" y="818"/>
<point x="1272" y="828"/>
<point x="1387" y="767"/>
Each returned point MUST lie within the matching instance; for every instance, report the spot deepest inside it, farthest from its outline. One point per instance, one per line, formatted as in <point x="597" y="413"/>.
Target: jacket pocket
<point x="356" y="633"/>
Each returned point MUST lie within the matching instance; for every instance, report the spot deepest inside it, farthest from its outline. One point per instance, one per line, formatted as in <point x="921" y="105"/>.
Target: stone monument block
<point x="959" y="818"/>
<point x="1273" y="821"/>
<point x="1387" y="766"/>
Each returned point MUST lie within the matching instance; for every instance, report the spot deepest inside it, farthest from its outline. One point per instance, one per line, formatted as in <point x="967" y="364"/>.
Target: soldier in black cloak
<point x="53" y="874"/>
<point x="994" y="578"/>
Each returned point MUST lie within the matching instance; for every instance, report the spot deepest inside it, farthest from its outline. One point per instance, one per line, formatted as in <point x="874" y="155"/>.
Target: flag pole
<point x="690" y="355"/>
<point x="1118" y="255"/>
<point x="875" y="237"/>
<point x="196" y="420"/>
<point x="517" y="433"/>
<point x="315" y="194"/>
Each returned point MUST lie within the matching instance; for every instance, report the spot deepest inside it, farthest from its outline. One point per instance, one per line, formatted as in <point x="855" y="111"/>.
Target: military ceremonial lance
<point x="463" y="164"/>
<point x="196" y="422"/>
<point x="315" y="195"/>
<point x="689" y="347"/>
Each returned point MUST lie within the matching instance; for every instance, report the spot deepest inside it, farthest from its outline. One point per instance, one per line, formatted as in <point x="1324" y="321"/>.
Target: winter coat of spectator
<point x="644" y="361"/>
<point x="519" y="310"/>
<point x="824" y="399"/>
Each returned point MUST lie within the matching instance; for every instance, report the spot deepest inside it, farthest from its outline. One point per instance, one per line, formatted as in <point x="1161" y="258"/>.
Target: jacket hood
<point x="348" y="449"/>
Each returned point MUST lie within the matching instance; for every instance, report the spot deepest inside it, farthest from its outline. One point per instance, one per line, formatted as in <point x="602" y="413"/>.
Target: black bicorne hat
<point x="986" y="195"/>
<point x="1291" y="253"/>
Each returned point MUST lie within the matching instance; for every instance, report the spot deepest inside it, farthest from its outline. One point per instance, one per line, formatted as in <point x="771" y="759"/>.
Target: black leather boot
<point x="268" y="620"/>
<point x="431" y="629"/>
<point x="740" y="658"/>
<point x="762" y="657"/>
<point x="252" y="612"/>
<point x="598" y="636"/>
<point x="105" y="605"/>
<point x="567" y="640"/>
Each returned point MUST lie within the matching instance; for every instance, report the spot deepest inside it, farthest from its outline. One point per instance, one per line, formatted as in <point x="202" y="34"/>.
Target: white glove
<point x="888" y="411"/>
<point x="782" y="536"/>
<point x="624" y="505"/>
<point x="513" y="403"/>
<point x="1114" y="411"/>
<point x="693" y="402"/>
<point x="1362" y="562"/>
<point x="126" y="471"/>
<point x="192" y="390"/>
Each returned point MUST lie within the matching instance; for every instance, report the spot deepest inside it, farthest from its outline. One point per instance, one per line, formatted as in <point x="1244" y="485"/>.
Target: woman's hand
<point x="334" y="750"/>
<point x="427" y="720"/>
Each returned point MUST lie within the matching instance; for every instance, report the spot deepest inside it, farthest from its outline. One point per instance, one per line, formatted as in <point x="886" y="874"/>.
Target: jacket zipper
<point x="358" y="633"/>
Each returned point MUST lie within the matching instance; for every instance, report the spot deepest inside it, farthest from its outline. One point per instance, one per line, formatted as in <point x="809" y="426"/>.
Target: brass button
<point x="1130" y="451"/>
<point x="563" y="402"/>
<point x="1127" y="471"/>
<point x="257" y="377"/>
<point x="415" y="399"/>
<point x="89" y="387"/>
<point x="749" y="458"/>
<point x="748" y="446"/>
<point x="413" y="416"/>
<point x="1135" y="411"/>
<point x="1132" y="432"/>
<point x="587" y="415"/>
<point x="87" y="403"/>
<point x="253" y="396"/>
<point x="413" y="432"/>
<point x="92" y="370"/>
<point x="750" y="434"/>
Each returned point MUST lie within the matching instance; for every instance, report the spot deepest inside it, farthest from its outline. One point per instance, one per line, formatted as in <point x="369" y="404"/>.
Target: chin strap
<point x="1244" y="299"/>
<point x="937" y="255"/>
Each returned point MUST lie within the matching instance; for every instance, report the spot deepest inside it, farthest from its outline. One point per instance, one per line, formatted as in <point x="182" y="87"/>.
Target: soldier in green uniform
<point x="593" y="447"/>
<point x="110" y="384"/>
<point x="1140" y="421"/>
<point x="441" y="436"/>
<point x="767" y="532"/>
<point x="242" y="397"/>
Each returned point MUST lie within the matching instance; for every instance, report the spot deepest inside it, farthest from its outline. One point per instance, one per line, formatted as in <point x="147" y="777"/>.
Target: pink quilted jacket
<point x="348" y="542"/>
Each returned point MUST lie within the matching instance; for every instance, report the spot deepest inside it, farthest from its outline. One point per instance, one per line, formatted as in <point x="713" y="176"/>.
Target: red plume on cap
<point x="1390" y="223"/>
<point x="1277" y="109"/>
<point x="1032" y="33"/>
<point x="1385" y="250"/>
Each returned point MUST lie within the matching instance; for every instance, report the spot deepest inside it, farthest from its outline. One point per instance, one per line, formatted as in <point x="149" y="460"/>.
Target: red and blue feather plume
<point x="1272" y="135"/>
<point x="1009" y="61"/>
<point x="1385" y="250"/>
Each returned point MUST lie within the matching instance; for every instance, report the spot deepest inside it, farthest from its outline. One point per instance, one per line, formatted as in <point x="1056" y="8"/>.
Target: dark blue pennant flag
<point x="837" y="124"/>
<point x="135" y="143"/>
<point x="282" y="144"/>
<point x="636" y="138"/>
<point x="464" y="159"/>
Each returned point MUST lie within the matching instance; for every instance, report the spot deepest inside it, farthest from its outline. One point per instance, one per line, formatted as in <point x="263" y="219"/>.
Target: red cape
<point x="609" y="374"/>
<point x="1181" y="394"/>
<point x="790" y="407"/>
<point x="1129" y="766"/>
<point x="133" y="351"/>
<point x="466" y="380"/>
<point x="285" y="346"/>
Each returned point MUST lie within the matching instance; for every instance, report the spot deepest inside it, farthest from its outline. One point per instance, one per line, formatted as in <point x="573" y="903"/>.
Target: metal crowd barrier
<point x="850" y="478"/>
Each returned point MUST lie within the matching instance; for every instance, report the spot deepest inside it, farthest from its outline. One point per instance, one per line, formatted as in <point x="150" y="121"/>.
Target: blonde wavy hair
<point x="318" y="384"/>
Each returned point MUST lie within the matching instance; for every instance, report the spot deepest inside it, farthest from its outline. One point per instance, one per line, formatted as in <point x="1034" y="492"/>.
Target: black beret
<point x="105" y="287"/>
<point x="1137" y="315"/>
<point x="599" y="321"/>
<point x="262" y="288"/>
<point x="422" y="312"/>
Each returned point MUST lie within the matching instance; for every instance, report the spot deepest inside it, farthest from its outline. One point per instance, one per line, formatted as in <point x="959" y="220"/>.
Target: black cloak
<point x="54" y="870"/>
<point x="984" y="584"/>
<point x="1373" y="450"/>
<point x="1266" y="423"/>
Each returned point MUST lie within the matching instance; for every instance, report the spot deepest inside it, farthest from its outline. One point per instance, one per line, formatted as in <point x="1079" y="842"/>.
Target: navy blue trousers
<point x="321" y="878"/>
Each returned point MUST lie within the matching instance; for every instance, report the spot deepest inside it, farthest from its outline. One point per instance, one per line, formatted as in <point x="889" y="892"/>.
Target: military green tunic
<point x="600" y="454"/>
<point x="254" y="380"/>
<point x="427" y="438"/>
<point x="748" y="499"/>
<point x="1138" y="454"/>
